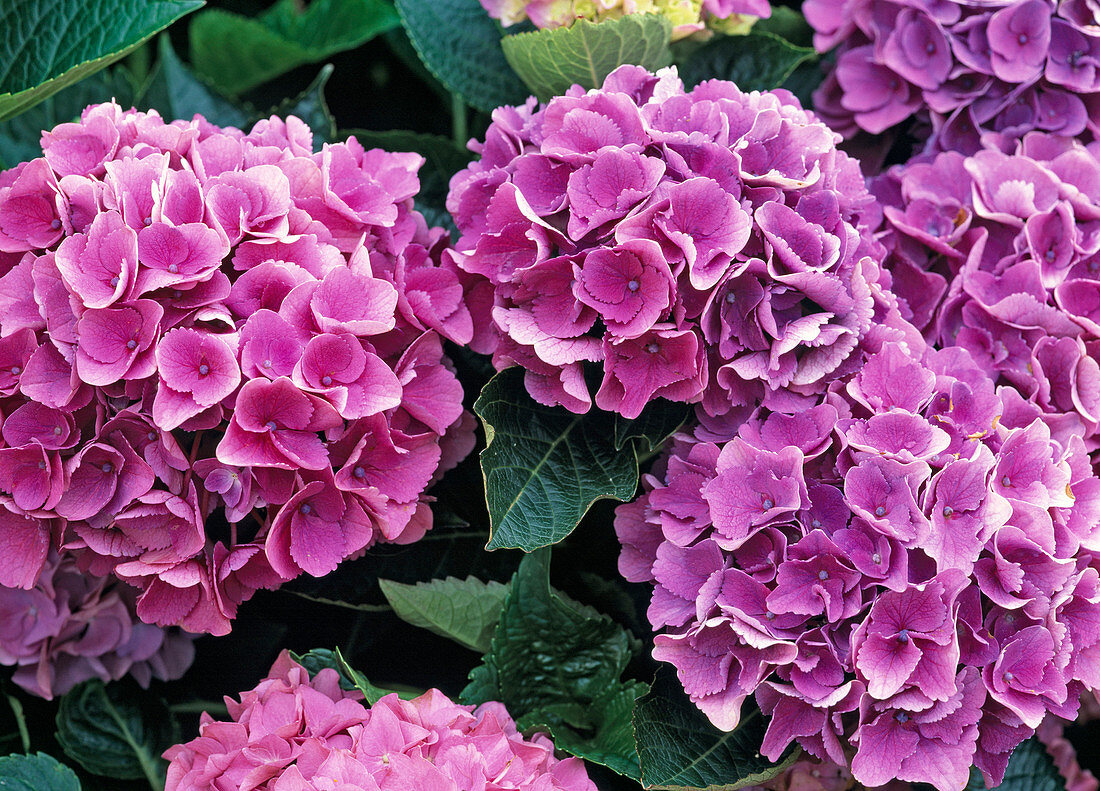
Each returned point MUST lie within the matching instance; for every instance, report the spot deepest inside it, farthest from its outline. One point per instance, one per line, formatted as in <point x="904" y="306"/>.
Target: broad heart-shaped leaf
<point x="320" y="658"/>
<point x="552" y="60"/>
<point x="460" y="44"/>
<point x="1029" y="769"/>
<point x="311" y="107"/>
<point x="558" y="665"/>
<point x="177" y="94"/>
<point x="680" y="749"/>
<point x="46" y="45"/>
<point x="20" y="138"/>
<point x="38" y="772"/>
<point x="235" y="53"/>
<point x="466" y="611"/>
<point x="116" y="731"/>
<point x="545" y="466"/>
<point x="758" y="61"/>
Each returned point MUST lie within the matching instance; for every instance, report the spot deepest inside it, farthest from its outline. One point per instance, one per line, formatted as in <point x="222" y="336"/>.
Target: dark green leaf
<point x="177" y="94"/>
<point x="680" y="749"/>
<point x="552" y="60"/>
<point x="311" y="107"/>
<point x="465" y="611"/>
<point x="46" y="45"/>
<point x="759" y="61"/>
<point x="115" y="731"/>
<point x="1029" y="769"/>
<point x="789" y="25"/>
<point x="460" y="45"/>
<point x="558" y="665"/>
<point x="320" y="658"/>
<point x="235" y="53"/>
<point x="544" y="466"/>
<point x="20" y="138"/>
<point x="36" y="773"/>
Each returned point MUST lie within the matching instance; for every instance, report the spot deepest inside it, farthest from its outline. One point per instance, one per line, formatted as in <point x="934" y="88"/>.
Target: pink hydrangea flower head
<point x="961" y="70"/>
<point x="222" y="359"/>
<point x="688" y="243"/>
<point x="902" y="571"/>
<point x="294" y="733"/>
<point x="74" y="625"/>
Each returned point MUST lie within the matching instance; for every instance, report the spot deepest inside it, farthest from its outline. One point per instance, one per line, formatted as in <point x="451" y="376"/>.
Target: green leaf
<point x="235" y="53"/>
<point x="311" y="107"/>
<point x="465" y="611"/>
<point x="46" y="45"/>
<point x="177" y="94"/>
<point x="1029" y="769"/>
<point x="552" y="60"/>
<point x="788" y="24"/>
<point x="680" y="749"/>
<point x="545" y="466"/>
<point x="38" y="772"/>
<point x="320" y="658"/>
<point x="116" y="731"/>
<point x="460" y="44"/>
<point x="759" y="61"/>
<point x="20" y="138"/>
<point x="558" y="665"/>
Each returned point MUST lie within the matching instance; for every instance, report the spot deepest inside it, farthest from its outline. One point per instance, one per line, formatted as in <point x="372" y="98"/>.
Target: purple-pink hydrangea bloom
<point x="707" y="245"/>
<point x="73" y="626"/>
<point x="961" y="68"/>
<point x="999" y="253"/>
<point x="293" y="733"/>
<point x="904" y="575"/>
<point x="221" y="358"/>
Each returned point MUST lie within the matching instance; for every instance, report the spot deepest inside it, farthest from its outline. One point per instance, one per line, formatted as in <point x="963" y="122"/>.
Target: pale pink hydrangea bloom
<point x="221" y="357"/>
<point x="710" y="245"/>
<point x="73" y="626"/>
<point x="688" y="17"/>
<point x="292" y="733"/>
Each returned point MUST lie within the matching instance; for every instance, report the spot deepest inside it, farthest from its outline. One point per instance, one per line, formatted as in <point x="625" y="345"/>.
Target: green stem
<point x="459" y="129"/>
<point x="20" y="722"/>
<point x="148" y="762"/>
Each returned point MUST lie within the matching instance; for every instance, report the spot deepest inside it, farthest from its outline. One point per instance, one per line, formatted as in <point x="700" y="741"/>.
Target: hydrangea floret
<point x="961" y="68"/>
<point x="902" y="575"/>
<point x="707" y="245"/>
<point x="73" y="626"/>
<point x="221" y="357"/>
<point x="292" y="733"/>
<point x="999" y="253"/>
<point x="688" y="17"/>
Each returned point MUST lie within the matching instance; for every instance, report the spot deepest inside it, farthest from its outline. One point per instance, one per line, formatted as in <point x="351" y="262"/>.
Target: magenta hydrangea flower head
<point x="961" y="69"/>
<point x="998" y="253"/>
<point x="904" y="575"/>
<point x="688" y="17"/>
<point x="73" y="626"/>
<point x="293" y="733"/>
<point x="709" y="245"/>
<point x="221" y="358"/>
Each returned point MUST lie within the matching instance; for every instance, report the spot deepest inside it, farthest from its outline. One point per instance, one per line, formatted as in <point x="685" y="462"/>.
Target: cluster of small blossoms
<point x="1000" y="253"/>
<point x="220" y="358"/>
<point x="962" y="68"/>
<point x="73" y="626"/>
<point x="710" y="245"/>
<point x="903" y="571"/>
<point x="688" y="17"/>
<point x="295" y="734"/>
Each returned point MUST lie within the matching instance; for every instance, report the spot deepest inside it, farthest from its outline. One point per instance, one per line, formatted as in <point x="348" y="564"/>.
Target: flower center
<point x="359" y="472"/>
<point x="55" y="223"/>
<point x="114" y="280"/>
<point x="57" y="430"/>
<point x="1006" y="481"/>
<point x="652" y="348"/>
<point x="903" y="636"/>
<point x="204" y="369"/>
<point x="1022" y="38"/>
<point x="131" y="344"/>
<point x="16" y="370"/>
<point x="877" y="558"/>
<point x="823" y="575"/>
<point x="880" y="511"/>
<point x="305" y="509"/>
<point x="271" y="425"/>
<point x="768" y="504"/>
<point x="107" y="467"/>
<point x="1008" y="675"/>
<point x="326" y="380"/>
<point x="947" y="511"/>
<point x="41" y="465"/>
<point x="902" y="717"/>
<point x="173" y="268"/>
<point x="633" y="285"/>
